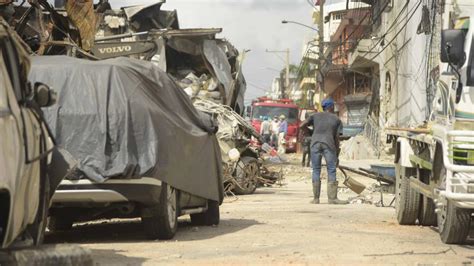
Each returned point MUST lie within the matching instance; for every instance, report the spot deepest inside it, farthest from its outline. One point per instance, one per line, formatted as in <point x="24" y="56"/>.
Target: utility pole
<point x="287" y="71"/>
<point x="287" y="62"/>
<point x="321" y="49"/>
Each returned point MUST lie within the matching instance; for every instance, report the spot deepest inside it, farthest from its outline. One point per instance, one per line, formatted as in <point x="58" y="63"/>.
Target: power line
<point x="388" y="30"/>
<point x="398" y="33"/>
<point x="257" y="86"/>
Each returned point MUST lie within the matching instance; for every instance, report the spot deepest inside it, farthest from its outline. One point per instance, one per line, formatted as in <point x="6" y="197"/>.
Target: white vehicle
<point x="25" y="143"/>
<point x="435" y="167"/>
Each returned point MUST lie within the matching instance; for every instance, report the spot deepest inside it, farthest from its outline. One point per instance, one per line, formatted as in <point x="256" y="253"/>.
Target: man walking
<point x="275" y="128"/>
<point x="306" y="149"/>
<point x="282" y="131"/>
<point x="266" y="130"/>
<point x="325" y="143"/>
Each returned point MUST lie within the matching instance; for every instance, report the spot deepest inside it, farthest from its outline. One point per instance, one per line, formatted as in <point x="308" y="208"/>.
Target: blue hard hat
<point x="327" y="103"/>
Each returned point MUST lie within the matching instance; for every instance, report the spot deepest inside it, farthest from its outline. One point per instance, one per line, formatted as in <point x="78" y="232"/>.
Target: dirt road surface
<point x="276" y="226"/>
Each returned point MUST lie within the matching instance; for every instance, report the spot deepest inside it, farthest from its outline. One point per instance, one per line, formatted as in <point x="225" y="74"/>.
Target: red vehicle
<point x="266" y="107"/>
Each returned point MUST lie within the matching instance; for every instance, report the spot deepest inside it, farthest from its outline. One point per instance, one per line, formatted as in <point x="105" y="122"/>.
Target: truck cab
<point x="435" y="165"/>
<point x="265" y="107"/>
<point x="453" y="129"/>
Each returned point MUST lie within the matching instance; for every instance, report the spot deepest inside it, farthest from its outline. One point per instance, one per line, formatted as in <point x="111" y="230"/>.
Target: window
<point x="260" y="112"/>
<point x="11" y="65"/>
<point x="337" y="16"/>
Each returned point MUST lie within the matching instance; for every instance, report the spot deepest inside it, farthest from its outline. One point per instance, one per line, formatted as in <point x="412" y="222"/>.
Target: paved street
<point x="275" y="226"/>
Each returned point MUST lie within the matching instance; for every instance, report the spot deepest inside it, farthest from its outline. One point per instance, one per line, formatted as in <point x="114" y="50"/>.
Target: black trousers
<point x="306" y="155"/>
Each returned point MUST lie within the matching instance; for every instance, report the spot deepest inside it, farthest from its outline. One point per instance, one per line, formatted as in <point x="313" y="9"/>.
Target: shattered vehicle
<point x="208" y="69"/>
<point x="132" y="145"/>
<point x="25" y="147"/>
<point x="202" y="65"/>
<point x="240" y="159"/>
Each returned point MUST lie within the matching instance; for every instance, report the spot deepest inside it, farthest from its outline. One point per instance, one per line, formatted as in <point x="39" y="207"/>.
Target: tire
<point x="208" y="218"/>
<point x="57" y="223"/>
<point x="246" y="176"/>
<point x="427" y="215"/>
<point x="407" y="204"/>
<point x="453" y="222"/>
<point x="38" y="228"/>
<point x="162" y="220"/>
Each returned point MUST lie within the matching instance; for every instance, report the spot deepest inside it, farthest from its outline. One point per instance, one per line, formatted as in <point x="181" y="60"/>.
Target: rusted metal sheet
<point x="81" y="13"/>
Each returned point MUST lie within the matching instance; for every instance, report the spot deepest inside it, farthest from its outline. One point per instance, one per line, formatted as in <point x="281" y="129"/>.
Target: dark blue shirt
<point x="326" y="128"/>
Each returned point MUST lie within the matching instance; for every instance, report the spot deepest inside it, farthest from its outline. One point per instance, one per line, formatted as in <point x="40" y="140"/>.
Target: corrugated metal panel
<point x="357" y="114"/>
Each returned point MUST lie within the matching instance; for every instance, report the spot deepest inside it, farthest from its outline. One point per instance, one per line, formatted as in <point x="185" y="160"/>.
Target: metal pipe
<point x="121" y="36"/>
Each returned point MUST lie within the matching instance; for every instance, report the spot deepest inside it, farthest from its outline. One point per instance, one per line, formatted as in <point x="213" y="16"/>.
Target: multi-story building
<point x="400" y="52"/>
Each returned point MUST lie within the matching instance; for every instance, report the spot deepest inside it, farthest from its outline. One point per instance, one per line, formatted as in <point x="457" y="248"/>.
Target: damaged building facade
<point x="350" y="87"/>
<point x="400" y="50"/>
<point x="369" y="65"/>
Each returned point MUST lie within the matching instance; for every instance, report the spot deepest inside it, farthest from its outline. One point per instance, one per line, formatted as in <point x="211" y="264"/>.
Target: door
<point x="20" y="134"/>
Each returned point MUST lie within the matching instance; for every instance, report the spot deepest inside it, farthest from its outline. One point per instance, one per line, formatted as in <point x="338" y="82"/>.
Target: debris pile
<point x="201" y="87"/>
<point x="357" y="148"/>
<point x="207" y="68"/>
<point x="243" y="173"/>
<point x="202" y="64"/>
<point x="373" y="195"/>
<point x="234" y="131"/>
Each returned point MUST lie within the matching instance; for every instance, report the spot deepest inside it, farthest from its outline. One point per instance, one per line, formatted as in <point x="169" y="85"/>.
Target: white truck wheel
<point x="427" y="215"/>
<point x="453" y="222"/>
<point x="407" y="204"/>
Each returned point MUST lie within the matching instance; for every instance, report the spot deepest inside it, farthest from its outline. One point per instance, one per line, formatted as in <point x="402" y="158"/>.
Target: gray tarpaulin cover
<point x="121" y="114"/>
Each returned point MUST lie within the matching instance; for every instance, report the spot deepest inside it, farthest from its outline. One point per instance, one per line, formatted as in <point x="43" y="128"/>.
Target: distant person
<point x="275" y="129"/>
<point x="305" y="140"/>
<point x="282" y="132"/>
<point x="266" y="130"/>
<point x="325" y="143"/>
<point x="306" y="149"/>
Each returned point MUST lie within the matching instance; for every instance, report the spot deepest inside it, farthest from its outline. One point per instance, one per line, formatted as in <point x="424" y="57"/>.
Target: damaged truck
<point x="204" y="66"/>
<point x="208" y="69"/>
<point x="435" y="161"/>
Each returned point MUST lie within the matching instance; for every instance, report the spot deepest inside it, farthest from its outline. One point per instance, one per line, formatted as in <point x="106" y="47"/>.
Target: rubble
<point x="235" y="134"/>
<point x="203" y="65"/>
<point x="373" y="195"/>
<point x="357" y="148"/>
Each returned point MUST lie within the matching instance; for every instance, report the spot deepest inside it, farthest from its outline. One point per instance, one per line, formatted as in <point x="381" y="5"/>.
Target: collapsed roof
<point x="80" y="29"/>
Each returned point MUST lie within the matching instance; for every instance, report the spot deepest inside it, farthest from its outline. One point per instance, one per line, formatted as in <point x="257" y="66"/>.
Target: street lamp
<point x="297" y="23"/>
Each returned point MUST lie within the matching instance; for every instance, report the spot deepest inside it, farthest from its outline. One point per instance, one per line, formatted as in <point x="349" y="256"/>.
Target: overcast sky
<point x="248" y="24"/>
